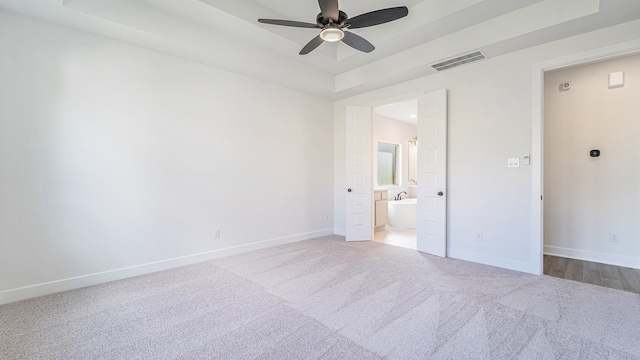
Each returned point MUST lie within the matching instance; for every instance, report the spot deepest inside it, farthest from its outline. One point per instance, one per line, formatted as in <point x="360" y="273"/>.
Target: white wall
<point x="587" y="199"/>
<point x="395" y="132"/>
<point x="113" y="156"/>
<point x="490" y="120"/>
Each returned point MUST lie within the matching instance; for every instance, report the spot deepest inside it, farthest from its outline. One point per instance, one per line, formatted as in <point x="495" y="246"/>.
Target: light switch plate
<point x="513" y="162"/>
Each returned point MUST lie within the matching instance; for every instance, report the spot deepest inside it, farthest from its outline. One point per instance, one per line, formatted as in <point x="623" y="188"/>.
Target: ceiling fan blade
<point x="329" y="9"/>
<point x="357" y="42"/>
<point x="378" y="17"/>
<point x="314" y="43"/>
<point x="289" y="23"/>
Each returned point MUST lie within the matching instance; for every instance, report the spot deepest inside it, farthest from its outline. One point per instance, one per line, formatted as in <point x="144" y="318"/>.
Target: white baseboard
<point x="522" y="266"/>
<point x="603" y="258"/>
<point x="51" y="287"/>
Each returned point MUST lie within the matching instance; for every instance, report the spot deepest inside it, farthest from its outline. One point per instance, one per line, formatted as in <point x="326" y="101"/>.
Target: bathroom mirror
<point x="413" y="162"/>
<point x="387" y="164"/>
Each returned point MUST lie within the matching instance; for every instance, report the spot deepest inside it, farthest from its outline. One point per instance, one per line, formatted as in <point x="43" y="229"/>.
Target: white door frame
<point x="537" y="174"/>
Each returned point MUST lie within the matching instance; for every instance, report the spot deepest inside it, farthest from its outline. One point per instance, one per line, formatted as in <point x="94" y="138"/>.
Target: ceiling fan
<point x="333" y="23"/>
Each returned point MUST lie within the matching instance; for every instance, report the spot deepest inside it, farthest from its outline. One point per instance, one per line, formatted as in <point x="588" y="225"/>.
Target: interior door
<point x="432" y="173"/>
<point x="359" y="191"/>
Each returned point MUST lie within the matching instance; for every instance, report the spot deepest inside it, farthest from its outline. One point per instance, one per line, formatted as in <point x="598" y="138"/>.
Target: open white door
<point x="358" y="158"/>
<point x="432" y="173"/>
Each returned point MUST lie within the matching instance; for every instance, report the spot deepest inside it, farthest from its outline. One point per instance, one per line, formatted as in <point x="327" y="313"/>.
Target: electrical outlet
<point x="216" y="233"/>
<point x="614" y="237"/>
<point x="326" y="217"/>
<point x="479" y="236"/>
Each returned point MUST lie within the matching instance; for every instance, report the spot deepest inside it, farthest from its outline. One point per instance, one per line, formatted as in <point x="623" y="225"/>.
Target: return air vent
<point x="459" y="60"/>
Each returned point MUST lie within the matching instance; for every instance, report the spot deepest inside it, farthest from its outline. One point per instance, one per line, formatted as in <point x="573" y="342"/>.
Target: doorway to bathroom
<point x="394" y="162"/>
<point x="431" y="182"/>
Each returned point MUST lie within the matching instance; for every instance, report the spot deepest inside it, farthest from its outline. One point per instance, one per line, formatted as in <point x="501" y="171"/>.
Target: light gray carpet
<point x="328" y="299"/>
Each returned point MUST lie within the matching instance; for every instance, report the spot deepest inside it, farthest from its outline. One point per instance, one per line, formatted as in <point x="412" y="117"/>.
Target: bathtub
<point x="403" y="214"/>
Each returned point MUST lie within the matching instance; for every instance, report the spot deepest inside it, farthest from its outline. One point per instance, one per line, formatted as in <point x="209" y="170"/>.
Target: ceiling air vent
<point x="459" y="60"/>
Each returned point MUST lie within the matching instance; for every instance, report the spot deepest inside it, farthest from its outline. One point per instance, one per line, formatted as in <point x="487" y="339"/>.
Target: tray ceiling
<point x="226" y="35"/>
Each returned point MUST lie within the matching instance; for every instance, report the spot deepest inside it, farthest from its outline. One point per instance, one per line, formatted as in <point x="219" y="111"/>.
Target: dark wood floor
<point x="615" y="277"/>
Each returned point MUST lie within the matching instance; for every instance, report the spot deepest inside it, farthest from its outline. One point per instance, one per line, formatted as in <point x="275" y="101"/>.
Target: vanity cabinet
<point x="380" y="199"/>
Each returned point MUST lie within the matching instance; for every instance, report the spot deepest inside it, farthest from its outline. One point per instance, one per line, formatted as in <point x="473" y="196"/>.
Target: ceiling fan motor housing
<point x="322" y="21"/>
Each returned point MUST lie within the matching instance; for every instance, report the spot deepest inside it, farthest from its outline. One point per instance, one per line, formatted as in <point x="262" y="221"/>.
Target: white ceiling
<point x="226" y="35"/>
<point x="405" y="111"/>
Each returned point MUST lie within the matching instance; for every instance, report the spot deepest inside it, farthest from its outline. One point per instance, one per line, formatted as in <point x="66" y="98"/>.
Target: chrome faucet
<point x="399" y="197"/>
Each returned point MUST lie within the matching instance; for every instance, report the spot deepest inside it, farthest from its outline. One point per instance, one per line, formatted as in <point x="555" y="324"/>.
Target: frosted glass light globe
<point x="332" y="34"/>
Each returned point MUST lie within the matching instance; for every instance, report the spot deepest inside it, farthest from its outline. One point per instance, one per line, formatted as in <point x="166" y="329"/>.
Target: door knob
<point x="440" y="193"/>
<point x="349" y="190"/>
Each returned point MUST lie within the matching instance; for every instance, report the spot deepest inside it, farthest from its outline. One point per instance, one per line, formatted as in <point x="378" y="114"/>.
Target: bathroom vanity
<point x="380" y="199"/>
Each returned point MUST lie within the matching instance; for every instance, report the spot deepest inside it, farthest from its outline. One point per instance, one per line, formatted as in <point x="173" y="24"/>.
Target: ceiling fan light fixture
<point x="332" y="34"/>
